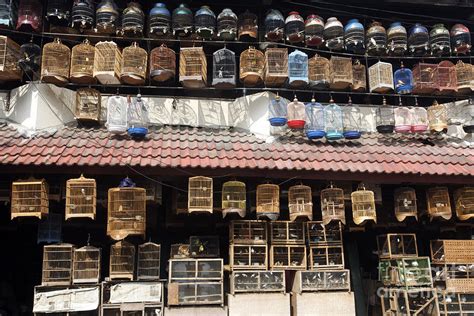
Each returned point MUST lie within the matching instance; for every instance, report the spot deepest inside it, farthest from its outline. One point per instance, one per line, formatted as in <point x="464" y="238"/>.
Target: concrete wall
<point x="259" y="304"/>
<point x="196" y="311"/>
<point x="323" y="304"/>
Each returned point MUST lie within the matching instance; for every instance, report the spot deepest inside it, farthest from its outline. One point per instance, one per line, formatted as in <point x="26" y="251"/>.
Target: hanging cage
<point x="403" y="80"/>
<point x="274" y="26"/>
<point x="359" y="77"/>
<point x="159" y="21"/>
<point x="333" y="121"/>
<point x="252" y="65"/>
<point x="313" y="30"/>
<point x="438" y="203"/>
<point x="192" y="67"/>
<point x="248" y="26"/>
<point x="354" y="37"/>
<point x="83" y="14"/>
<point x="460" y="39"/>
<point x="333" y="34"/>
<point x="468" y="125"/>
<point x="296" y="115"/>
<point x="464" y="203"/>
<point x="300" y="202"/>
<point x="200" y="195"/>
<point x="381" y="77"/>
<point x="86" y="265"/>
<point x="405" y="204"/>
<point x="205" y="22"/>
<point x="234" y="198"/>
<point x="447" y="78"/>
<point x="117" y="120"/>
<point x="29" y="16"/>
<point x="107" y="17"/>
<point x="297" y="69"/>
<point x="81" y="196"/>
<point x="133" y="20"/>
<point x="352" y="121"/>
<point x="134" y="63"/>
<point x="29" y="198"/>
<point x="332" y="205"/>
<point x="137" y="121"/>
<point x="418" y="40"/>
<point x="397" y="39"/>
<point x="314" y="127"/>
<point x="122" y="261"/>
<point x="363" y="205"/>
<point x="340" y="69"/>
<point x="107" y="63"/>
<point x="419" y="123"/>
<point x="55" y="62"/>
<point x="385" y="119"/>
<point x="425" y="78"/>
<point x="57" y="265"/>
<point x="162" y="64"/>
<point x="318" y="72"/>
<point x="278" y="111"/>
<point x="8" y="13"/>
<point x="464" y="77"/>
<point x="224" y="69"/>
<point x="438" y="118"/>
<point x="182" y="21"/>
<point x="30" y="59"/>
<point x="268" y="201"/>
<point x="294" y="28"/>
<point x="276" y="67"/>
<point x="58" y="12"/>
<point x="82" y="63"/>
<point x="10" y="54"/>
<point x="440" y="41"/>
<point x="376" y="39"/>
<point x="227" y="25"/>
<point x="88" y="105"/>
<point x="148" y="262"/>
<point x="403" y="119"/>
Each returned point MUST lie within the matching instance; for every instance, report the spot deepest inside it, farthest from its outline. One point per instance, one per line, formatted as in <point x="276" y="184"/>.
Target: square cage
<point x="276" y="67"/>
<point x="126" y="212"/>
<point x="204" y="246"/>
<point x="322" y="280"/>
<point x="88" y="102"/>
<point x="317" y="233"/>
<point x="248" y="257"/>
<point x="288" y="257"/>
<point x="86" y="265"/>
<point x="284" y="232"/>
<point x="29" y="198"/>
<point x="392" y="246"/>
<point x="257" y="282"/>
<point x="248" y="232"/>
<point x="447" y="79"/>
<point x="195" y="293"/>
<point x="381" y="77"/>
<point x="107" y="63"/>
<point x="409" y="302"/>
<point x="340" y="73"/>
<point x="10" y="70"/>
<point x="452" y="251"/>
<point x="192" y="67"/>
<point x="81" y="195"/>
<point x="148" y="263"/>
<point x="326" y="257"/>
<point x="405" y="272"/>
<point x="122" y="261"/>
<point x="57" y="264"/>
<point x="359" y="77"/>
<point x="196" y="270"/>
<point x="425" y="78"/>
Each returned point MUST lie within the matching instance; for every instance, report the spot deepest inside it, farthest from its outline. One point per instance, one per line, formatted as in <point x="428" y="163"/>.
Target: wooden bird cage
<point x="248" y="232"/>
<point x="322" y="280"/>
<point x="234" y="198"/>
<point x="134" y="63"/>
<point x="248" y="257"/>
<point x="405" y="272"/>
<point x="288" y="257"/>
<point x="276" y="67"/>
<point x="464" y="77"/>
<point x="332" y="205"/>
<point x="300" y="202"/>
<point x="82" y="63"/>
<point x="162" y="64"/>
<point x="381" y="77"/>
<point x="438" y="203"/>
<point x="122" y="261"/>
<point x="86" y="265"/>
<point x="410" y="302"/>
<point x="196" y="270"/>
<point x="29" y="198"/>
<point x="285" y="232"/>
<point x="192" y="67"/>
<point x="326" y="256"/>
<point x="268" y="201"/>
<point x="425" y="78"/>
<point x="224" y="69"/>
<point x="88" y="102"/>
<point x="148" y="264"/>
<point x="204" y="246"/>
<point x="252" y="65"/>
<point x="340" y="69"/>
<point x="391" y="246"/>
<point x="319" y="72"/>
<point x="195" y="293"/>
<point x="464" y="203"/>
<point x="200" y="195"/>
<point x="319" y="234"/>
<point x="10" y="54"/>
<point x="107" y="63"/>
<point x="452" y="251"/>
<point x="126" y="212"/>
<point x="57" y="264"/>
<point x="248" y="26"/>
<point x="438" y="118"/>
<point x="405" y="204"/>
<point x="55" y="62"/>
<point x="363" y="205"/>
<point x="257" y="281"/>
<point x="81" y="195"/>
<point x="359" y="79"/>
<point x="447" y="79"/>
<point x="455" y="303"/>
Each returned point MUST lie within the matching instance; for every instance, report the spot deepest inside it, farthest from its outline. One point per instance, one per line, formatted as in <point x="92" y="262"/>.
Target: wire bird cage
<point x="134" y="63"/>
<point x="313" y="30"/>
<point x="333" y="34"/>
<point x="359" y="77"/>
<point x="340" y="70"/>
<point x="192" y="67"/>
<point x="419" y="123"/>
<point x="298" y="69"/>
<point x="83" y="14"/>
<point x="403" y="80"/>
<point x="352" y="121"/>
<point x="205" y="22"/>
<point x="117" y="119"/>
<point x="107" y="17"/>
<point x="182" y="21"/>
<point x="133" y="20"/>
<point x="296" y="114"/>
<point x="276" y="67"/>
<point x="55" y="62"/>
<point x="354" y="37"/>
<point x="159" y="21"/>
<point x="464" y="202"/>
<point x="274" y="26"/>
<point x="440" y="41"/>
<point x="227" y="25"/>
<point x="107" y="63"/>
<point x="294" y="28"/>
<point x="86" y="265"/>
<point x="405" y="204"/>
<point x="162" y="64"/>
<point x="318" y="72"/>
<point x="29" y="16"/>
<point x="29" y="198"/>
<point x="200" y="195"/>
<point x="385" y="119"/>
<point x="58" y="12"/>
<point x="464" y="77"/>
<point x="447" y="79"/>
<point x="252" y="65"/>
<point x="122" y="261"/>
<point x="438" y="203"/>
<point x="468" y="125"/>
<point x="300" y="202"/>
<point x="418" y="40"/>
<point x="248" y="26"/>
<point x="314" y="127"/>
<point x="381" y="77"/>
<point x="403" y="119"/>
<point x="438" y="118"/>
<point x="10" y="69"/>
<point x="81" y="196"/>
<point x="57" y="264"/>
<point x="332" y="205"/>
<point x="268" y="201"/>
<point x="148" y="263"/>
<point x="278" y="111"/>
<point x="137" y="117"/>
<point x="82" y="63"/>
<point x="333" y="121"/>
<point x="425" y="78"/>
<point x="234" y="199"/>
<point x="363" y="205"/>
<point x="397" y="39"/>
<point x="8" y="13"/>
<point x="224" y="69"/>
<point x="460" y="39"/>
<point x="30" y="59"/>
<point x="376" y="39"/>
<point x="88" y="105"/>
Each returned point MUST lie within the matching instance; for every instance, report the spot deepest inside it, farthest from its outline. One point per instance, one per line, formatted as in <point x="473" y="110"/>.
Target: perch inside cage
<point x="122" y="261"/>
<point x="381" y="77"/>
<point x="57" y="265"/>
<point x="29" y="198"/>
<point x="403" y="80"/>
<point x="86" y="265"/>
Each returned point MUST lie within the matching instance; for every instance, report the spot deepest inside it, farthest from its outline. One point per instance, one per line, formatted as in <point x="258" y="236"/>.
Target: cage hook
<point x="88" y="239"/>
<point x="399" y="100"/>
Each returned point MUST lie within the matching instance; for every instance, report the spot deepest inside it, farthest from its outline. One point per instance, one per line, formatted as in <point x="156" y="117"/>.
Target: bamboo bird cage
<point x="392" y="246"/>
<point x="252" y="65"/>
<point x="192" y="67"/>
<point x="88" y="102"/>
<point x="134" y="64"/>
<point x="55" y="62"/>
<point x="248" y="26"/>
<point x="447" y="79"/>
<point x="234" y="199"/>
<point x="464" y="202"/>
<point x="10" y="69"/>
<point x="122" y="261"/>
<point x="438" y="118"/>
<point x="200" y="195"/>
<point x="438" y="203"/>
<point x="86" y="265"/>
<point x="300" y="202"/>
<point x="268" y="201"/>
<point x="319" y="72"/>
<point x="82" y="63"/>
<point x="359" y="77"/>
<point x="425" y="78"/>
<point x="363" y="205"/>
<point x="405" y="204"/>
<point x="340" y="69"/>
<point x="57" y="264"/>
<point x="464" y="77"/>
<point x="81" y="196"/>
<point x="148" y="265"/>
<point x="332" y="205"/>
<point x="381" y="77"/>
<point x="29" y="198"/>
<point x="162" y="64"/>
<point x="276" y="67"/>
<point x="107" y="63"/>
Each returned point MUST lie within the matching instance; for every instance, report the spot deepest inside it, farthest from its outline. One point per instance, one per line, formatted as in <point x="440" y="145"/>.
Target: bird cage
<point x="148" y="263"/>
<point x="403" y="119"/>
<point x="192" y="67"/>
<point x="81" y="195"/>
<point x="468" y="125"/>
<point x="30" y="58"/>
<point x="425" y="78"/>
<point x="107" y="63"/>
<point x="363" y="205"/>
<point x="55" y="63"/>
<point x="252" y="65"/>
<point x="352" y="121"/>
<point x="359" y="78"/>
<point x="438" y="118"/>
<point x="133" y="20"/>
<point x="205" y="22"/>
<point x="200" y="195"/>
<point x="8" y="13"/>
<point x="182" y="21"/>
<point x="224" y="69"/>
<point x="333" y="34"/>
<point x="57" y="12"/>
<point x="354" y="37"/>
<point x="10" y="69"/>
<point x="274" y="26"/>
<point x="340" y="69"/>
<point x="134" y="63"/>
<point x="29" y="16"/>
<point x="227" y="25"/>
<point x="438" y="203"/>
<point x="126" y="212"/>
<point x="392" y="246"/>
<point x="296" y="114"/>
<point x="440" y="42"/>
<point x="248" y="26"/>
<point x="57" y="264"/>
<point x="300" y="202"/>
<point x="278" y="111"/>
<point x="405" y="204"/>
<point x="460" y="39"/>
<point x="159" y="21"/>
<point x="117" y="119"/>
<point x="297" y="69"/>
<point x="419" y="123"/>
<point x="86" y="265"/>
<point x="333" y="121"/>
<point x="418" y="40"/>
<point x="397" y="39"/>
<point x="318" y="72"/>
<point x="88" y="105"/>
<point x="447" y="79"/>
<point x="137" y="120"/>
<point x="376" y="39"/>
<point x="313" y="30"/>
<point x="385" y="119"/>
<point x="268" y="201"/>
<point x="294" y="28"/>
<point x="332" y="205"/>
<point x="314" y="127"/>
<point x="204" y="246"/>
<point x="83" y="14"/>
<point x="403" y="80"/>
<point x="464" y="77"/>
<point x="234" y="198"/>
<point x="107" y="17"/>
<point x="29" y="198"/>
<point x="276" y="67"/>
<point x="162" y="64"/>
<point x="381" y="77"/>
<point x="82" y="63"/>
<point x="464" y="203"/>
<point x="122" y="261"/>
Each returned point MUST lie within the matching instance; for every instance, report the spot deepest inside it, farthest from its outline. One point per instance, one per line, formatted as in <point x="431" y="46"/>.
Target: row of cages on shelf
<point x="206" y="25"/>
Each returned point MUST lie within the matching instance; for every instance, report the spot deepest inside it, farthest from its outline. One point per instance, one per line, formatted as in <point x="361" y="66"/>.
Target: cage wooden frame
<point x="438" y="203"/>
<point x="405" y="203"/>
<point x="57" y="264"/>
<point x="81" y="198"/>
<point x="200" y="270"/>
<point x="319" y="72"/>
<point x="329" y="234"/>
<point x="322" y="280"/>
<point x="363" y="206"/>
<point x="162" y="65"/>
<point x="268" y="201"/>
<point x="86" y="268"/>
<point x="259" y="282"/>
<point x="452" y="251"/>
<point x="55" y="63"/>
<point x="425" y="78"/>
<point x="10" y="69"/>
<point x="464" y="203"/>
<point x="133" y="70"/>
<point x="31" y="195"/>
<point x="333" y="205"/>
<point x="381" y="77"/>
<point x="294" y="253"/>
<point x="403" y="272"/>
<point x="437" y="117"/>
<point x="122" y="261"/>
<point x="200" y="195"/>
<point x="234" y="198"/>
<point x="196" y="299"/>
<point x="454" y="277"/>
<point x="359" y="77"/>
<point x="464" y="77"/>
<point x="107" y="63"/>
<point x="276" y="67"/>
<point x="248" y="232"/>
<point x="88" y="105"/>
<point x="391" y="246"/>
<point x="192" y="67"/>
<point x="325" y="254"/>
<point x="447" y="77"/>
<point x="300" y="202"/>
<point x="252" y="67"/>
<point x="340" y="70"/>
<point x="179" y="251"/>
<point x="82" y="63"/>
<point x="252" y="257"/>
<point x="287" y="232"/>
<point x="458" y="304"/>
<point x="148" y="261"/>
<point x="393" y="298"/>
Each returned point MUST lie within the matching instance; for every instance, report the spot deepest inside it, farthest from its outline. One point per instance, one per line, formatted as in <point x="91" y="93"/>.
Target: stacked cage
<point x="287" y="245"/>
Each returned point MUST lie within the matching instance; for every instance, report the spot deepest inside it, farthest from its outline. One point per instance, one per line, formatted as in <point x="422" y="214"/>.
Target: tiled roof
<point x="188" y="148"/>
